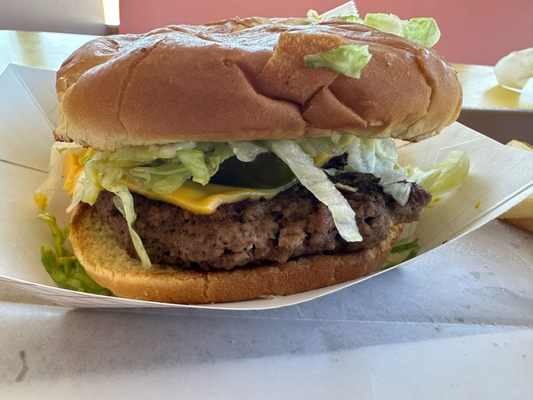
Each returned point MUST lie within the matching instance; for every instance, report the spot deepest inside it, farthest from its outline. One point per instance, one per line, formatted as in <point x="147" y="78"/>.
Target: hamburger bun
<point x="109" y="265"/>
<point x="246" y="80"/>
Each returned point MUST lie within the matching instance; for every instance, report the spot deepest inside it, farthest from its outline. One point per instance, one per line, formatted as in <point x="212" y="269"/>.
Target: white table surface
<point x="457" y="324"/>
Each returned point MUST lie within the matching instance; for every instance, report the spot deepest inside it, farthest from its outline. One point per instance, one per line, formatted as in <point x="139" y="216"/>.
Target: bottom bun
<point x="109" y="265"/>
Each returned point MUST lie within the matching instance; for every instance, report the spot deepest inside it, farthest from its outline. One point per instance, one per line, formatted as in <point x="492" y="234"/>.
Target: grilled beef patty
<point x="292" y="224"/>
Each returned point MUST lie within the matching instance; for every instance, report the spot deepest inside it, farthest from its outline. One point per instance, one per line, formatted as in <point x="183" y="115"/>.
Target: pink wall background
<point x="473" y="31"/>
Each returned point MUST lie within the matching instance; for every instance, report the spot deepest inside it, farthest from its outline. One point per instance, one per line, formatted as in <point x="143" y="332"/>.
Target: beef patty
<point x="292" y="224"/>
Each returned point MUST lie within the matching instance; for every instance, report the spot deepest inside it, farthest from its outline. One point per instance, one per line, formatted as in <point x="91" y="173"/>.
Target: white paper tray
<point x="500" y="177"/>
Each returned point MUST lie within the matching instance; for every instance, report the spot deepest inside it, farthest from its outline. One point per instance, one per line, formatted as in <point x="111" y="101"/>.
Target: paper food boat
<point x="500" y="177"/>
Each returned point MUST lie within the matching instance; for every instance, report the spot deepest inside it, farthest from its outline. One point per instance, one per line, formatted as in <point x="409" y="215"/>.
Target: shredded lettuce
<point x="350" y="18"/>
<point x="380" y="158"/>
<point x="313" y="16"/>
<point x="334" y="145"/>
<point x="385" y="22"/>
<point x="348" y="59"/>
<point x="124" y="203"/>
<point x="48" y="188"/>
<point x="401" y="252"/>
<point x="247" y="151"/>
<point x="424" y="31"/>
<point x="163" y="169"/>
<point x="444" y="177"/>
<point x="373" y="156"/>
<point x="63" y="267"/>
<point x="317" y="182"/>
<point x="421" y="30"/>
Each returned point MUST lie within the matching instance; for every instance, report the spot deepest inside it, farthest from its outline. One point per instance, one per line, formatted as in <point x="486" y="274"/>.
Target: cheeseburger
<point x="246" y="158"/>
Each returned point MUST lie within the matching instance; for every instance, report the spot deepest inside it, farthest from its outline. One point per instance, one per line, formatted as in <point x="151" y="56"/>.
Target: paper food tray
<point x="499" y="178"/>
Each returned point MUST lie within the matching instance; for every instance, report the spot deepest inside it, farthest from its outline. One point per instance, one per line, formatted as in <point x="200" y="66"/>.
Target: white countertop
<point x="456" y="325"/>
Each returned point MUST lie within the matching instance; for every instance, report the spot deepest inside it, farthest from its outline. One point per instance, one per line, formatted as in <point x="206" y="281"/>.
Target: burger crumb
<point x="345" y="188"/>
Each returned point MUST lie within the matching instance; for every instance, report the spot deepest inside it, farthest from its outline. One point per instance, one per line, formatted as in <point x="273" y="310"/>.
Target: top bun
<point x="246" y="80"/>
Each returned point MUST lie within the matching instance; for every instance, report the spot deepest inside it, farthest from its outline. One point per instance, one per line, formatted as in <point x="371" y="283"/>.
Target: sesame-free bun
<point x="108" y="264"/>
<point x="246" y="80"/>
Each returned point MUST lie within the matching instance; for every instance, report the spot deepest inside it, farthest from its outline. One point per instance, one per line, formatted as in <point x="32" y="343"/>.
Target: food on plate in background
<point x="515" y="69"/>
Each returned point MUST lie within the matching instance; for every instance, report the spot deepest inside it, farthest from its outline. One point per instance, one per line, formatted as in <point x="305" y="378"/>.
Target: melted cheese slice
<point x="206" y="199"/>
<point x="72" y="168"/>
<point x="194" y="197"/>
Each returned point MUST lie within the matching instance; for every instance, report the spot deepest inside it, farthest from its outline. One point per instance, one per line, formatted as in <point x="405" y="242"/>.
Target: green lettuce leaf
<point x="348" y="59"/>
<point x="313" y="16"/>
<point x="124" y="203"/>
<point x="421" y="30"/>
<point x="350" y="18"/>
<point x="444" y="177"/>
<point x="63" y="267"/>
<point x="389" y="23"/>
<point x="164" y="178"/>
<point x="424" y="31"/>
<point x="161" y="169"/>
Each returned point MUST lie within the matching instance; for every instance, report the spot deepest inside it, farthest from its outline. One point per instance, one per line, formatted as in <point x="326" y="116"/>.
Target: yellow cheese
<point x="191" y="196"/>
<point x="201" y="199"/>
<point x="72" y="168"/>
<point x="41" y="200"/>
<point x="322" y="158"/>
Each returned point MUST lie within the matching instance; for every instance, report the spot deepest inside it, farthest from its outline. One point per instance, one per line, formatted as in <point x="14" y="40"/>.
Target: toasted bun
<point x="246" y="80"/>
<point x="109" y="265"/>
